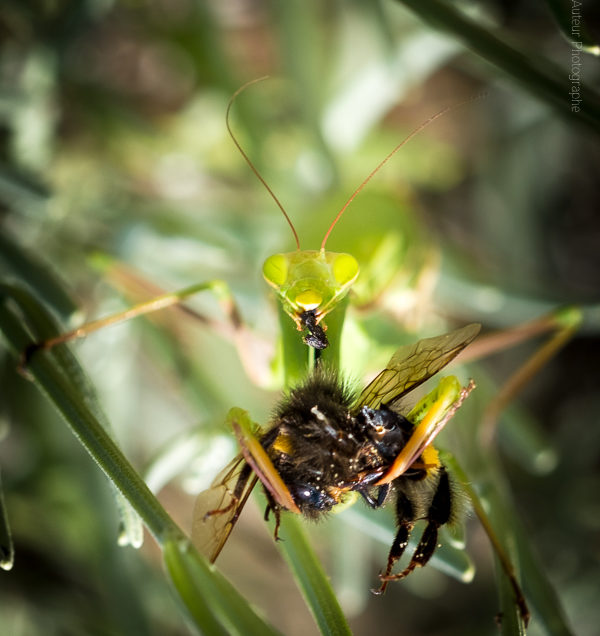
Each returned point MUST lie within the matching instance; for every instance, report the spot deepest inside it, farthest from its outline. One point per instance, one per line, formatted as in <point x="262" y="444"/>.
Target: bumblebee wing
<point x="413" y="364"/>
<point x="217" y="509"/>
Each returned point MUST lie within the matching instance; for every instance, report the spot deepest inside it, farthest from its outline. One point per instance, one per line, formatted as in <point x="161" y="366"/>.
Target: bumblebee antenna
<point x="249" y="162"/>
<point x="382" y="163"/>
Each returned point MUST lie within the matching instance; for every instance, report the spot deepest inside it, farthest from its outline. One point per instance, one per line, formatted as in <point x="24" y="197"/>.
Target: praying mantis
<point x="298" y="354"/>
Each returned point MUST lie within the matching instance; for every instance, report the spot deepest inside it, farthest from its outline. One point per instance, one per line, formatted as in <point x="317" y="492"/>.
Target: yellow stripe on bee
<point x="282" y="444"/>
<point x="431" y="458"/>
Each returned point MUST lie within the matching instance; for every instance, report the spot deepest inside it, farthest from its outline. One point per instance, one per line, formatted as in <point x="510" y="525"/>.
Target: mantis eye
<point x="345" y="268"/>
<point x="275" y="270"/>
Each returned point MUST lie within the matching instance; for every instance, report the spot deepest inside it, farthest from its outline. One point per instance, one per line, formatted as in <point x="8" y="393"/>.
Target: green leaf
<point x="533" y="72"/>
<point x="213" y="603"/>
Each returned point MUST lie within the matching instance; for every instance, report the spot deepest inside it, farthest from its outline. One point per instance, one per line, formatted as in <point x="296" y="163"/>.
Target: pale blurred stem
<point x="536" y="74"/>
<point x="497" y="506"/>
<point x="7" y="552"/>
<point x="564" y="322"/>
<point x="498" y="341"/>
<point x="515" y="384"/>
<point x="88" y="430"/>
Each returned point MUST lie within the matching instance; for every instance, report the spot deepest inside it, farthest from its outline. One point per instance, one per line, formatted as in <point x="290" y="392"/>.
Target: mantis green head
<point x="311" y="283"/>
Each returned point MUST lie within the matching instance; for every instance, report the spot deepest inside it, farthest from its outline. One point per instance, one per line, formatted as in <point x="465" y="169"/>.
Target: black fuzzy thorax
<point x="322" y="445"/>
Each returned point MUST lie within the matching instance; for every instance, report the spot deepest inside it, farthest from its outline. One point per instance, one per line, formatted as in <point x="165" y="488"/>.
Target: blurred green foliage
<point x="113" y="142"/>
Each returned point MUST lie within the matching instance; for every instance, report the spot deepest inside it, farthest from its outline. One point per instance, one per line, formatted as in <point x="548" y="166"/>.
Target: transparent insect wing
<point x="211" y="531"/>
<point x="412" y="365"/>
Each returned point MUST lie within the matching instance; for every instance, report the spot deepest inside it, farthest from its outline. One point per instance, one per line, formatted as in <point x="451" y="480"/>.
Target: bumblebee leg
<point x="396" y="551"/>
<point x="406" y="520"/>
<point x="277" y="513"/>
<point x="382" y="495"/>
<point x="440" y="510"/>
<point x="236" y="495"/>
<point x="421" y="556"/>
<point x="272" y="506"/>
<point x="438" y="514"/>
<point x="377" y="502"/>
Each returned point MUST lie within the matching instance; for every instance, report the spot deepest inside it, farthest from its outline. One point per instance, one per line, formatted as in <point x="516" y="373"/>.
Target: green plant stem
<point x="562" y="12"/>
<point x="213" y="604"/>
<point x="513" y="622"/>
<point x="211" y="600"/>
<point x="311" y="578"/>
<point x="86" y="427"/>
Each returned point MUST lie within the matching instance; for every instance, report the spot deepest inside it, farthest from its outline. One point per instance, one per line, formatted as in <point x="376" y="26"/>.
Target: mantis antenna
<point x="249" y="162"/>
<point x="373" y="172"/>
<point x="380" y="165"/>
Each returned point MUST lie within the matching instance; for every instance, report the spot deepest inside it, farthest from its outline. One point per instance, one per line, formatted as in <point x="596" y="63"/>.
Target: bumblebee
<point x="326" y="442"/>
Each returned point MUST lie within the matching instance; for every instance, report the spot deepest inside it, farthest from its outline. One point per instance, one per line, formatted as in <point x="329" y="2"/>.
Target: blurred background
<point x="118" y="179"/>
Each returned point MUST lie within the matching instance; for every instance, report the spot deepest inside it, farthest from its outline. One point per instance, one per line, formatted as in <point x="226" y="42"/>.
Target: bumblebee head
<point x="312" y="499"/>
